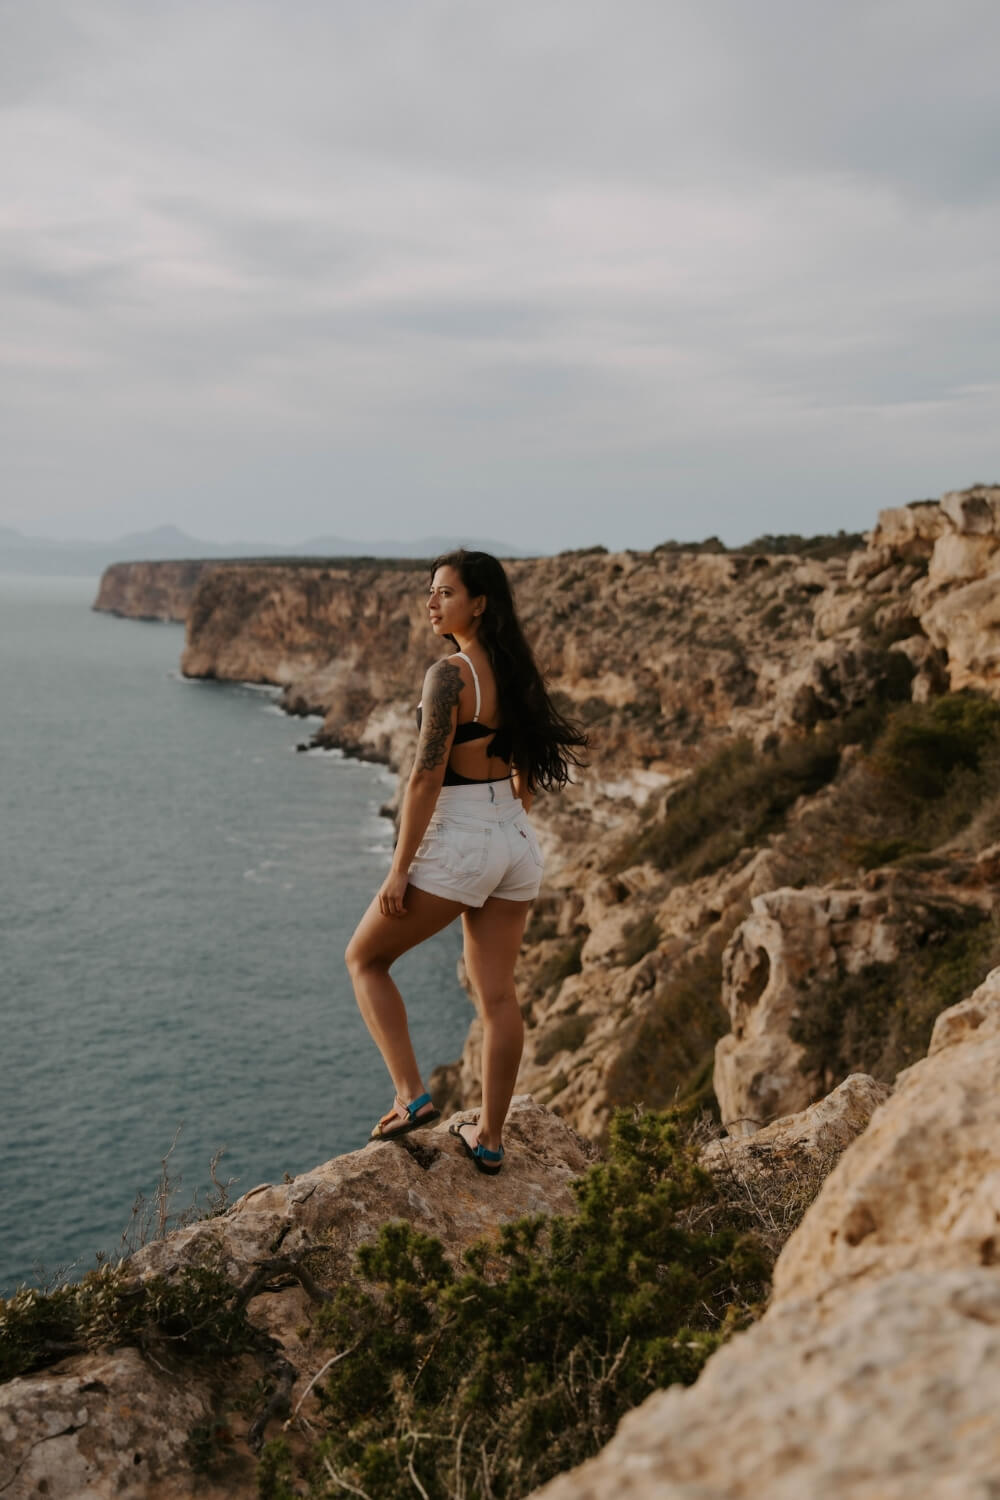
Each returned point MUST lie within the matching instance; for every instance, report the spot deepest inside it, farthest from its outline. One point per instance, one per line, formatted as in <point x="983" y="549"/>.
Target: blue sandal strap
<point x="418" y="1104"/>
<point x="485" y="1154"/>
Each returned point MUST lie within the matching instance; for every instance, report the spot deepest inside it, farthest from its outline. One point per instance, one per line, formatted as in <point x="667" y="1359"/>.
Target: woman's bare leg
<point x="493" y="936"/>
<point x="375" y="946"/>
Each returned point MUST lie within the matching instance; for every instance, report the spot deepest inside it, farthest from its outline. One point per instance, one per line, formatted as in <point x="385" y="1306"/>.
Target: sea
<point x="177" y="886"/>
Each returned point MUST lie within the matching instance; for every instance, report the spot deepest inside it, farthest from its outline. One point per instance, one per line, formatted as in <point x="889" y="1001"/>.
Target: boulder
<point x="819" y="1133"/>
<point x="975" y="511"/>
<point x="111" y="1424"/>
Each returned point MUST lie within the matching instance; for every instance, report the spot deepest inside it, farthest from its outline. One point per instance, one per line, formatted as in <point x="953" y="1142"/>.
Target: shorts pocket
<point x="430" y="841"/>
<point x="464" y="849"/>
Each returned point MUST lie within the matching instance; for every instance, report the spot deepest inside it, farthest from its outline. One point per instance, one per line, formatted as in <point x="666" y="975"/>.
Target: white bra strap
<point x="475" y="678"/>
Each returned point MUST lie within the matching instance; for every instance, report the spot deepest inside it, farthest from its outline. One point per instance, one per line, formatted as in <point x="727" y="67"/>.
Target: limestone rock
<point x="889" y="1397"/>
<point x="907" y="532"/>
<point x="979" y="1016"/>
<point x="793" y="941"/>
<point x="821" y="1132"/>
<point x="149" y="590"/>
<point x="873" y="1374"/>
<point x="105" y="1425"/>
<point x="784" y="945"/>
<point x="974" y="512"/>
<point x="423" y="1178"/>
<point x="921" y="1189"/>
<point x="965" y="624"/>
<point x="99" y="1426"/>
<point x="840" y="675"/>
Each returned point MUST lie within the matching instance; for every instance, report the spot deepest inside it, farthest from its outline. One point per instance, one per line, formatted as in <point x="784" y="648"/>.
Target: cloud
<point x="561" y="265"/>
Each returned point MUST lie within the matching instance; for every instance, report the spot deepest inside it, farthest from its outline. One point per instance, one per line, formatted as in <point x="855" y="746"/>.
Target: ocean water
<point x="177" y="885"/>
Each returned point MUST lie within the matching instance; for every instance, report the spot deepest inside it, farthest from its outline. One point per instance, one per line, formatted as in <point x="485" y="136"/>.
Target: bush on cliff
<point x="488" y="1381"/>
<point x="197" y="1314"/>
<point x="928" y="769"/>
<point x="933" y="770"/>
<point x="732" y="800"/>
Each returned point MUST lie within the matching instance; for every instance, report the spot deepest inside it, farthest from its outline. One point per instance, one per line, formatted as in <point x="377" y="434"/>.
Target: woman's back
<point x="478" y="723"/>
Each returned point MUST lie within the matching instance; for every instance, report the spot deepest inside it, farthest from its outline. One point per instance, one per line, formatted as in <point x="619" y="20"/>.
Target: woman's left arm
<point x="442" y="689"/>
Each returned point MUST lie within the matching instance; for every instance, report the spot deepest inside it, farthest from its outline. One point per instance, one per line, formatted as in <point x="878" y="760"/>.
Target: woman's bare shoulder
<point x="443" y="680"/>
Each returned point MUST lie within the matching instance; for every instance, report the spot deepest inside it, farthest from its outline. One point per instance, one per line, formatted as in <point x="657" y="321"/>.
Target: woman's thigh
<point x="493" y="934"/>
<point x="381" y="940"/>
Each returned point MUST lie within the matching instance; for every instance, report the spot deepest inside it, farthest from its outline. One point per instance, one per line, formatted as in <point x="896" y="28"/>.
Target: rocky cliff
<point x="120" y="1422"/>
<point x="873" y="1372"/>
<point x="777" y="888"/>
<point x="149" y="590"/>
<point x="743" y="845"/>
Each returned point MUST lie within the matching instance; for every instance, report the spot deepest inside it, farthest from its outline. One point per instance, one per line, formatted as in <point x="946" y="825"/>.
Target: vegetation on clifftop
<point x="488" y="1381"/>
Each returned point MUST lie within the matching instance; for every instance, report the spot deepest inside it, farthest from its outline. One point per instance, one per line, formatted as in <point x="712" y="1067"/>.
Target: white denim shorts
<point x="478" y="844"/>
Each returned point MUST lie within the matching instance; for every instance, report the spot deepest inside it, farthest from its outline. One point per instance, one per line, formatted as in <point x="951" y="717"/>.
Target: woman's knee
<point x="495" y="1002"/>
<point x="360" y="958"/>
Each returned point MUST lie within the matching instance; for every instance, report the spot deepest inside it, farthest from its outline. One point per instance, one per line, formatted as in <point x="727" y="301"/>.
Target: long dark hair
<point x="539" y="741"/>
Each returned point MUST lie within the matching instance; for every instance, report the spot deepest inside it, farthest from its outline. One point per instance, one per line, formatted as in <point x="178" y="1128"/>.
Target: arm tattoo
<point x="444" y="687"/>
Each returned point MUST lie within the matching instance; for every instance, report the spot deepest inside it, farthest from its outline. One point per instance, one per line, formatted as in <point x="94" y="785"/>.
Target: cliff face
<point x="149" y="590"/>
<point x="780" y="871"/>
<point x="654" y="651"/>
<point x="638" y="959"/>
<point x="873" y="1372"/>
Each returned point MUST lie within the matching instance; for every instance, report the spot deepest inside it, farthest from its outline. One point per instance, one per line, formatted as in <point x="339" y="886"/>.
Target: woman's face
<point x="451" y="608"/>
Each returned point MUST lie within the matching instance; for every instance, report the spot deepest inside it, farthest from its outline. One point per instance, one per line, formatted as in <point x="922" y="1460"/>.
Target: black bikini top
<point x="473" y="730"/>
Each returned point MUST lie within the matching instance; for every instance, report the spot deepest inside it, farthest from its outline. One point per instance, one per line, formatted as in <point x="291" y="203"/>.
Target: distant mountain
<point x="428" y="546"/>
<point x="41" y="555"/>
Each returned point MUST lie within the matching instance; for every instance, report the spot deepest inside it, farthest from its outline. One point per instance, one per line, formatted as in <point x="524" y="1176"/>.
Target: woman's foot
<point x="490" y="1162"/>
<point x="403" y="1118"/>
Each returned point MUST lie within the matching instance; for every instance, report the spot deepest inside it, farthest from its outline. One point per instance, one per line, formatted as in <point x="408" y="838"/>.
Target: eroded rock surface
<point x="796" y="940"/>
<point x="820" y="1132"/>
<point x="103" y="1425"/>
<point x="771" y="648"/>
<point x="873" y="1374"/>
<point x="150" y="590"/>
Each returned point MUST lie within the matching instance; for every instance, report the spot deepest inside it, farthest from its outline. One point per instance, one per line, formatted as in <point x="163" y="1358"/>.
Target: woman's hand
<point x="391" y="893"/>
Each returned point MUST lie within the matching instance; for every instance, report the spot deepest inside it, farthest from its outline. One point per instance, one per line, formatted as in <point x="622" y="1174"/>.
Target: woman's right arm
<point x="442" y="688"/>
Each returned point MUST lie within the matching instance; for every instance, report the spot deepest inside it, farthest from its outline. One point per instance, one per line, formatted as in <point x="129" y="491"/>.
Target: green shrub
<point x="930" y="769"/>
<point x="925" y="744"/>
<point x="197" y="1312"/>
<point x="488" y="1381"/>
<point x="830" y="544"/>
<point x="733" y="799"/>
<point x="934" y="769"/>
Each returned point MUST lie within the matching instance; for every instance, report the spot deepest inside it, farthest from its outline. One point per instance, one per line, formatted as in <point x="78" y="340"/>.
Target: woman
<point x="489" y="738"/>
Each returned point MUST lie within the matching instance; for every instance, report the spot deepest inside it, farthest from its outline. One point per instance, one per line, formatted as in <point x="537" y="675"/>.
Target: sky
<point x="560" y="272"/>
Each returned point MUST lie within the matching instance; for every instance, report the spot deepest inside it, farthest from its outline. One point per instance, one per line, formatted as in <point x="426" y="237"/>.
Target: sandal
<point x="486" y="1160"/>
<point x="410" y="1122"/>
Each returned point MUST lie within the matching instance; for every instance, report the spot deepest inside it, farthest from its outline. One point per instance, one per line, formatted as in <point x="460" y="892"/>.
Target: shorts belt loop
<point x="493" y="796"/>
